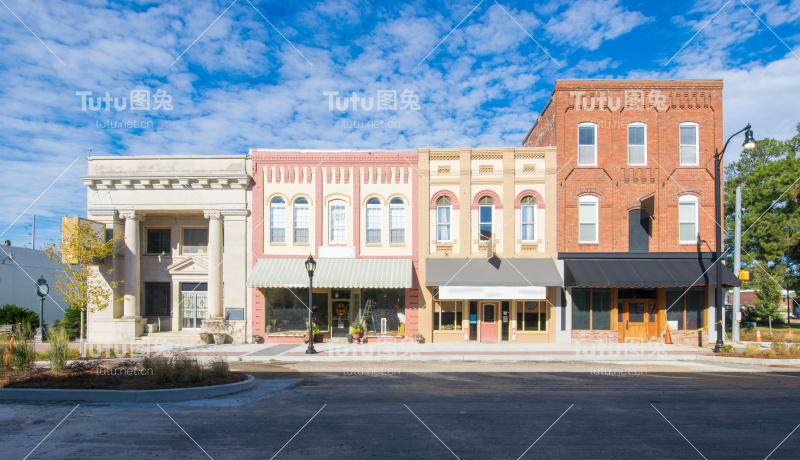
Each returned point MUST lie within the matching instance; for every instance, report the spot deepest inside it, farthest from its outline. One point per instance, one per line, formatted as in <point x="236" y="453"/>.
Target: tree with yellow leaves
<point x="82" y="252"/>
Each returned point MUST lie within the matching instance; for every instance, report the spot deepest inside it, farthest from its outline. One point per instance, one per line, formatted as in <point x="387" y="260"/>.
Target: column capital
<point x="231" y="212"/>
<point x="104" y="215"/>
<point x="213" y="214"/>
<point x="131" y="214"/>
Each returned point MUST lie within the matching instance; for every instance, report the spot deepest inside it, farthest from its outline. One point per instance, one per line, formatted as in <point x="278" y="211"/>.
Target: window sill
<point x="448" y="332"/>
<point x="374" y="245"/>
<point x="397" y="245"/>
<point x="532" y="332"/>
<point x="277" y="244"/>
<point x="302" y="244"/>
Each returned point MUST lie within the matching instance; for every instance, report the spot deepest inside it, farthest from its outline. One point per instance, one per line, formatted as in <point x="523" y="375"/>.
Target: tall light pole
<point x="42" y="289"/>
<point x="749" y="143"/>
<point x="311" y="265"/>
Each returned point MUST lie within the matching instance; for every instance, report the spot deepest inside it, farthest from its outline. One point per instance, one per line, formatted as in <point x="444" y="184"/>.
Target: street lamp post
<point x="42" y="289"/>
<point x="749" y="143"/>
<point x="311" y="265"/>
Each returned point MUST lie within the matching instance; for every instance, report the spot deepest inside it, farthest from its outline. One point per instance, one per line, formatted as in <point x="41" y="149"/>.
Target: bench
<point x="7" y="329"/>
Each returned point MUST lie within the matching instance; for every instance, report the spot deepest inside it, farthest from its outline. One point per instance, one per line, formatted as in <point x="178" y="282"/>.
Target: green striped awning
<point x="333" y="273"/>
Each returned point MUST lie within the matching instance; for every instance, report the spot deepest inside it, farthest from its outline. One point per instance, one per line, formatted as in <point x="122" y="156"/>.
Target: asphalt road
<point x="437" y="411"/>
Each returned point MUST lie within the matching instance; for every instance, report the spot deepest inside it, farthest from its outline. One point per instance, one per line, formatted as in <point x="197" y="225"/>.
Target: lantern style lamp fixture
<point x="311" y="265"/>
<point x="42" y="289"/>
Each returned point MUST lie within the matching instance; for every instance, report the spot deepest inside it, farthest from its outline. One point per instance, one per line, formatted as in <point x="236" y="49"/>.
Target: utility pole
<point x="33" y="233"/>
<point x="737" y="262"/>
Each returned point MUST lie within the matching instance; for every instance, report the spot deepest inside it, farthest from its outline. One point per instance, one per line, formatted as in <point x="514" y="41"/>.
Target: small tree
<point x="768" y="291"/>
<point x="82" y="249"/>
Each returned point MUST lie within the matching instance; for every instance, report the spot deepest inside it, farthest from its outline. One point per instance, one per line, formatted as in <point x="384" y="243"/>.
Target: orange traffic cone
<point x="758" y="336"/>
<point x="8" y="351"/>
<point x="668" y="337"/>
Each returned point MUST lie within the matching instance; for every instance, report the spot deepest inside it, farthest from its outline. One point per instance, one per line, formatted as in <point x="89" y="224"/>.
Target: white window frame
<point x="374" y="206"/>
<point x="332" y="226"/>
<point x="397" y="210"/>
<point x="696" y="145"/>
<point x="522" y="219"/>
<point x="480" y="217"/>
<point x="587" y="200"/>
<point x="690" y="199"/>
<point x="297" y="206"/>
<point x="273" y="206"/>
<point x="578" y="133"/>
<point x="637" y="125"/>
<point x="449" y="222"/>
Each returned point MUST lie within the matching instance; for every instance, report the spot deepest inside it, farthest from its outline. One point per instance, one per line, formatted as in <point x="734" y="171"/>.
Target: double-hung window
<point x="397" y="221"/>
<point x="528" y="214"/>
<point x="277" y="220"/>
<point x="587" y="144"/>
<point x="587" y="219"/>
<point x="485" y="210"/>
<point x="301" y="220"/>
<point x="687" y="219"/>
<point x="338" y="223"/>
<point x="689" y="144"/>
<point x="637" y="144"/>
<point x="444" y="208"/>
<point x="374" y="221"/>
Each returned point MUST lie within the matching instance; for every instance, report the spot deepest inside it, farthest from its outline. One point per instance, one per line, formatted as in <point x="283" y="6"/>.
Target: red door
<point x="488" y="320"/>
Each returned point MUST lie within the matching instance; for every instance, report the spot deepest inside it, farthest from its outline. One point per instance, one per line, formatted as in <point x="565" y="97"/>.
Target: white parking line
<point x="545" y="432"/>
<point x="298" y="432"/>
<point x="684" y="437"/>
<point x="51" y="432"/>
<point x="434" y="434"/>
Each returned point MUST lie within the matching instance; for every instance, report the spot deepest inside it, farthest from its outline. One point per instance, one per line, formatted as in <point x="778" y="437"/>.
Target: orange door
<point x="640" y="321"/>
<point x="488" y="320"/>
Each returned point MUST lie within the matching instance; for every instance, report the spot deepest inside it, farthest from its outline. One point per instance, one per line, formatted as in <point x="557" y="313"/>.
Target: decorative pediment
<point x="191" y="266"/>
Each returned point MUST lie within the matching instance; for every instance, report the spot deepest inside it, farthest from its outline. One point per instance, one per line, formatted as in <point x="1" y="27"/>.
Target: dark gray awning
<point x="498" y="272"/>
<point x="644" y="272"/>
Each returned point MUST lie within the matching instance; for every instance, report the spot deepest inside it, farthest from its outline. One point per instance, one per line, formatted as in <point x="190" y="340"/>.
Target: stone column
<point x="131" y="285"/>
<point x="214" y="263"/>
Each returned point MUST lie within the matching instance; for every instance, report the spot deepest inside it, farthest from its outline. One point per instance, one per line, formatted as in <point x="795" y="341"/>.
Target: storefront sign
<point x="492" y="292"/>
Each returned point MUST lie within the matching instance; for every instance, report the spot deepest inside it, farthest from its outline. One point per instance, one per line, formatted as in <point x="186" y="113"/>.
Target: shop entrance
<point x="194" y="300"/>
<point x="637" y="320"/>
<point x="488" y="317"/>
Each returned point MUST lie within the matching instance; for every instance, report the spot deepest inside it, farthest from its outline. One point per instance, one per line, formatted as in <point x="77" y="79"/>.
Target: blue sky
<point x="254" y="73"/>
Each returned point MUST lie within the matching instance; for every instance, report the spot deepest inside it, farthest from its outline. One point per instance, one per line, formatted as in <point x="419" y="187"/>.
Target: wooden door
<point x="488" y="321"/>
<point x="640" y="320"/>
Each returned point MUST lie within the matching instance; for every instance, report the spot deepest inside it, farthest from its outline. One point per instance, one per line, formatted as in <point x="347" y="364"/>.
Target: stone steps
<point x="192" y="337"/>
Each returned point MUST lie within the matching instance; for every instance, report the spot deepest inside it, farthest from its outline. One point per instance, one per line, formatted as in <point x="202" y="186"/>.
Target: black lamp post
<point x="311" y="265"/>
<point x="749" y="143"/>
<point x="42" y="289"/>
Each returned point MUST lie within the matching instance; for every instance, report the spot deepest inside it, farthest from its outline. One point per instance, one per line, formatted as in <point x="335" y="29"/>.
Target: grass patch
<point x="59" y="349"/>
<point x="220" y="368"/>
<point x="22" y="355"/>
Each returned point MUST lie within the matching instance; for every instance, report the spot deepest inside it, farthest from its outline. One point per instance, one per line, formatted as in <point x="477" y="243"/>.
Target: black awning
<point x="643" y="272"/>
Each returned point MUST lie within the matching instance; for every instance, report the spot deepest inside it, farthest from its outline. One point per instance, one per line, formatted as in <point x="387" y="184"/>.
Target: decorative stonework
<point x="235" y="330"/>
<point x="165" y="183"/>
<point x="131" y="214"/>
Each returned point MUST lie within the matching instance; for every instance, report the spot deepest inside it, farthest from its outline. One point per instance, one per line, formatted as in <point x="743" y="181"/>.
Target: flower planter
<point x="219" y="338"/>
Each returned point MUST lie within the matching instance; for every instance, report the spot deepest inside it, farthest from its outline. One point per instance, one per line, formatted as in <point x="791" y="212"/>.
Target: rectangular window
<point x="532" y="316"/>
<point x="528" y="222"/>
<point x="687" y="217"/>
<point x="397" y="224"/>
<point x="587" y="145"/>
<point x="448" y="315"/>
<point x="591" y="309"/>
<point x="587" y="218"/>
<point x="675" y="307"/>
<point x="195" y="240"/>
<point x="695" y="306"/>
<point x="637" y="150"/>
<point x="337" y="223"/>
<point x="686" y="308"/>
<point x="277" y="223"/>
<point x="158" y="241"/>
<point x="443" y="223"/>
<point x="488" y="313"/>
<point x="373" y="225"/>
<point x="485" y="222"/>
<point x="157" y="299"/>
<point x="688" y="144"/>
<point x="301" y="223"/>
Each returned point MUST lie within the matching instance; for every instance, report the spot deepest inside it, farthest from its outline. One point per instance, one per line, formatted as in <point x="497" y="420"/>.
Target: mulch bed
<point x="93" y="375"/>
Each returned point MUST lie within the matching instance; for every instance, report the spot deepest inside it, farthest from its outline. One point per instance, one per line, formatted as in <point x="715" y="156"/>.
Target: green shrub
<point x="160" y="368"/>
<point x="59" y="349"/>
<point x="794" y="350"/>
<point x="22" y="355"/>
<point x="220" y="368"/>
<point x="750" y="349"/>
<point x="71" y="322"/>
<point x="727" y="349"/>
<point x="111" y="352"/>
<point x="12" y="314"/>
<point x="769" y="353"/>
<point x="3" y="350"/>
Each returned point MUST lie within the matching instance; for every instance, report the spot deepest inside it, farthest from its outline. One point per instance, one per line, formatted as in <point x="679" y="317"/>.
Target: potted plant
<point x="314" y="334"/>
<point x="356" y="331"/>
<point x="419" y="338"/>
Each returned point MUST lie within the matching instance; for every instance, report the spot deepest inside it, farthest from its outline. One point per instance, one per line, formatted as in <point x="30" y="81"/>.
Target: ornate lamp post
<point x="42" y="289"/>
<point x="749" y="143"/>
<point x="311" y="265"/>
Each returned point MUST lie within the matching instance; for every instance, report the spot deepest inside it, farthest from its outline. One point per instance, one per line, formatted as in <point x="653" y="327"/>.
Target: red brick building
<point x="635" y="197"/>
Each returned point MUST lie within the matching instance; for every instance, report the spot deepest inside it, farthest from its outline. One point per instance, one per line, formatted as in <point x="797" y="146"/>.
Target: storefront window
<point x="447" y="315"/>
<point x="286" y="310"/>
<point x="532" y="316"/>
<point x="388" y="310"/>
<point x="685" y="308"/>
<point x="591" y="309"/>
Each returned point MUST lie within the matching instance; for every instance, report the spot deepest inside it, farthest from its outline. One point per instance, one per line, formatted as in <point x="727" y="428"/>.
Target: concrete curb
<point x="125" y="396"/>
<point x="458" y="358"/>
<point x="761" y="361"/>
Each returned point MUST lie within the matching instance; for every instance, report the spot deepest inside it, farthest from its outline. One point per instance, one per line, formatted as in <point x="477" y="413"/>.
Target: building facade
<point x="354" y="212"/>
<point x="184" y="258"/>
<point x="635" y="198"/>
<point x="487" y="245"/>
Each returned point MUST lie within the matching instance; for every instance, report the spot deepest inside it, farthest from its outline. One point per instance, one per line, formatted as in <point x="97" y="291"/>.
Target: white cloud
<point x="587" y="24"/>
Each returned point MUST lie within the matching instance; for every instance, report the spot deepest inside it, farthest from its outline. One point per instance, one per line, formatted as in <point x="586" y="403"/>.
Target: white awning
<point x="333" y="273"/>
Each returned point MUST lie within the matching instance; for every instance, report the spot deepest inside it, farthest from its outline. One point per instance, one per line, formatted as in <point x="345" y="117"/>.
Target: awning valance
<point x="333" y="273"/>
<point x="497" y="272"/>
<point x="644" y="272"/>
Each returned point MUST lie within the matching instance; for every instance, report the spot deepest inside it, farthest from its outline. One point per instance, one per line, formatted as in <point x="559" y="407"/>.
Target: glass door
<point x="194" y="305"/>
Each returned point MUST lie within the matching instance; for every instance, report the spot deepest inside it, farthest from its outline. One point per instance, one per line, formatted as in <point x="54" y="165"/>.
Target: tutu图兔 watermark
<point x="384" y="100"/>
<point x="633" y="100"/>
<point x="138" y="100"/>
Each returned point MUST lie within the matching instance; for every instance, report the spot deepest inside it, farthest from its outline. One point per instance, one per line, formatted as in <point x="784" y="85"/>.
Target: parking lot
<point x="437" y="411"/>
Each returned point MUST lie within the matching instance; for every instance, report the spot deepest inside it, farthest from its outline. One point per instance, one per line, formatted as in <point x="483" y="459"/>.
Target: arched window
<point x="397" y="221"/>
<point x="587" y="219"/>
<point x="277" y="220"/>
<point x="444" y="209"/>
<point x="374" y="221"/>
<point x="301" y="220"/>
<point x="528" y="214"/>
<point x="587" y="144"/>
<point x="485" y="211"/>
<point x="689" y="143"/>
<point x="687" y="219"/>
<point x="337" y="222"/>
<point x="637" y="144"/>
